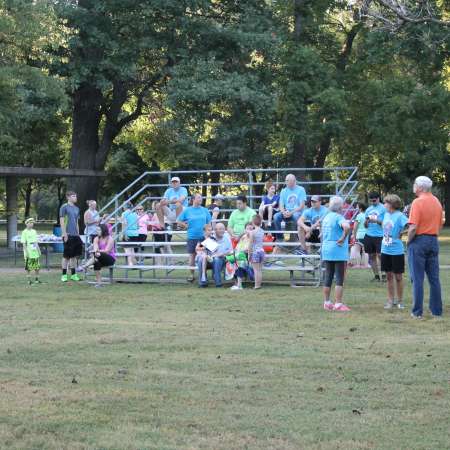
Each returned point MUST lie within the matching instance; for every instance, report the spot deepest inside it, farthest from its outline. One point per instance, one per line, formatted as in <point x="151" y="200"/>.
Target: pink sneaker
<point x="328" y="306"/>
<point x="341" y="307"/>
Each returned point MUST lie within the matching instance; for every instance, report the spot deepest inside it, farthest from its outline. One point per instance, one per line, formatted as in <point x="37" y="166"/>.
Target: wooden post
<point x="11" y="209"/>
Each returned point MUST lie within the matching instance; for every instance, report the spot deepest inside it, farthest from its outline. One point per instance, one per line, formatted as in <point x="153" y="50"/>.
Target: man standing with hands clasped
<point x="425" y="223"/>
<point x="69" y="215"/>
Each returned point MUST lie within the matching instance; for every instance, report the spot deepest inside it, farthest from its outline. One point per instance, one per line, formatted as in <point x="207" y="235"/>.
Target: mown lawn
<point x="176" y="367"/>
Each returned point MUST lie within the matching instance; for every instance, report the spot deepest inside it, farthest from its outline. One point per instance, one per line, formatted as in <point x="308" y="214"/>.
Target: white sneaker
<point x="235" y="288"/>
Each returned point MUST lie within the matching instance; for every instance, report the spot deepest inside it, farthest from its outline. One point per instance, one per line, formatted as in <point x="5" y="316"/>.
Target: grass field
<point x="158" y="367"/>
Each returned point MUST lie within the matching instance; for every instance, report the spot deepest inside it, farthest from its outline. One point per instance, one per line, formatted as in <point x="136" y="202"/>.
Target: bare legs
<point x="257" y="268"/>
<point x="394" y="285"/>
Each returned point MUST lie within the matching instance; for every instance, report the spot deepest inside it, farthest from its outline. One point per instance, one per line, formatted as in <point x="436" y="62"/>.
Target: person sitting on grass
<point x="240" y="258"/>
<point x="392" y="250"/>
<point x="194" y="218"/>
<point x="335" y="231"/>
<point x="358" y="256"/>
<point x="31" y="250"/>
<point x="269" y="204"/>
<point x="308" y="225"/>
<point x="256" y="250"/>
<point x="104" y="254"/>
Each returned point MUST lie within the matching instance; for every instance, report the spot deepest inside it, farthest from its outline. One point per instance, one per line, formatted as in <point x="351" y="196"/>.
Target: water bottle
<point x="283" y="225"/>
<point x="169" y="227"/>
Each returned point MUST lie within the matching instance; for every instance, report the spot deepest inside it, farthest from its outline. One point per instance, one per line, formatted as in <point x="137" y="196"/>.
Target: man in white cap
<point x="308" y="224"/>
<point x="214" y="207"/>
<point x="174" y="200"/>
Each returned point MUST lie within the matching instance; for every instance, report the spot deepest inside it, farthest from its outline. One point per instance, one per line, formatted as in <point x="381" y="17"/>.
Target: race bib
<point x="387" y="240"/>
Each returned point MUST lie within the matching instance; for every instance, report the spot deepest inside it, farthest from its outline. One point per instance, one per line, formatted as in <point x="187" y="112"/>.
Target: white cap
<point x="219" y="197"/>
<point x="175" y="179"/>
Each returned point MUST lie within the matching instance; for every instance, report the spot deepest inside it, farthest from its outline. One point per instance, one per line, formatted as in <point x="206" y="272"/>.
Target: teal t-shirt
<point x="373" y="229"/>
<point x="292" y="198"/>
<point x="196" y="218"/>
<point x="393" y="225"/>
<point x="132" y="228"/>
<point x="312" y="215"/>
<point x="331" y="233"/>
<point x="361" y="230"/>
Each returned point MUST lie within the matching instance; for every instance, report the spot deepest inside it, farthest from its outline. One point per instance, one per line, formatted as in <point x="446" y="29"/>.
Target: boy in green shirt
<point x="31" y="250"/>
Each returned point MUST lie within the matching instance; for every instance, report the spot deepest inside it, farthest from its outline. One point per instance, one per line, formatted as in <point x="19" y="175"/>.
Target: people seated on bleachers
<point x="240" y="258"/>
<point x="308" y="225"/>
<point x="292" y="203"/>
<point x="239" y="218"/>
<point x="256" y="250"/>
<point x="270" y="203"/>
<point x="194" y="218"/>
<point x="335" y="231"/>
<point x="130" y="231"/>
<point x="174" y="200"/>
<point x="215" y="206"/>
<point x="104" y="254"/>
<point x="358" y="257"/>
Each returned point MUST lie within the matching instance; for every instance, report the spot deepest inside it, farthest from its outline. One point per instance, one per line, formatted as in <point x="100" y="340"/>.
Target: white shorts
<point x="170" y="214"/>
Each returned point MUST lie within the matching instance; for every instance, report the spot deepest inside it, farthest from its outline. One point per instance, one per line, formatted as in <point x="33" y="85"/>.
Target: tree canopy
<point x="223" y="83"/>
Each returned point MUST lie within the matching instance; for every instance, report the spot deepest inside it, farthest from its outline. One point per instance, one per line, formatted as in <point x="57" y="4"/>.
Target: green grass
<point x="160" y="367"/>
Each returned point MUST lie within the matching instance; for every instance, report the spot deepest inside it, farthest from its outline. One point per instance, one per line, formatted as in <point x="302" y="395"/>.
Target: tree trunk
<point x="85" y="141"/>
<point x="317" y="175"/>
<point x="446" y="200"/>
<point x="28" y="191"/>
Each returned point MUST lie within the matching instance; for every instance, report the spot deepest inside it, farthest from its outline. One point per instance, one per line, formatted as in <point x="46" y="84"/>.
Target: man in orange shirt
<point x="425" y="223"/>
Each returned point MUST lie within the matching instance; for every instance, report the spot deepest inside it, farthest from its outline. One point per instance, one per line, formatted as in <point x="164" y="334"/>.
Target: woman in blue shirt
<point x="392" y="250"/>
<point x="335" y="231"/>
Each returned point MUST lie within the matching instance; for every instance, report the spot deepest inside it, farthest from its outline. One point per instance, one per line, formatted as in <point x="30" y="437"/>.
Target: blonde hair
<point x="394" y="200"/>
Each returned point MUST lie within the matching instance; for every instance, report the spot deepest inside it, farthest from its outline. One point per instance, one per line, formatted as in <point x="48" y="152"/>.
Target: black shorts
<point x="392" y="263"/>
<point x="315" y="235"/>
<point x="73" y="247"/>
<point x="372" y="244"/>
<point x="142" y="237"/>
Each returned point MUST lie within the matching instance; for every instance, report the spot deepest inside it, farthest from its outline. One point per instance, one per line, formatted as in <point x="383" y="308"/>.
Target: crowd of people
<point x="369" y="237"/>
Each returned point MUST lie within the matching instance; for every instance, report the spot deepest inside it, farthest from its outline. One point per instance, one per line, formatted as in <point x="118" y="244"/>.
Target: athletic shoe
<point x="98" y="285"/>
<point x="401" y="306"/>
<point x="64" y="278"/>
<point x="388" y="305"/>
<point x="383" y="278"/>
<point x="30" y="282"/>
<point x="375" y="278"/>
<point x="328" y="306"/>
<point x="413" y="316"/>
<point x="235" y="288"/>
<point x="37" y="282"/>
<point x="75" y="277"/>
<point x="341" y="307"/>
<point x="300" y="252"/>
<point x="279" y="263"/>
<point x="80" y="269"/>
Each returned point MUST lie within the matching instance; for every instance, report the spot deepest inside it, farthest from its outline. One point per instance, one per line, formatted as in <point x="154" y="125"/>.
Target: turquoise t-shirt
<point x="196" y="217"/>
<point x="393" y="225"/>
<point x="291" y="198"/>
<point x="331" y="233"/>
<point x="312" y="215"/>
<point x="132" y="228"/>
<point x="373" y="229"/>
<point x="175" y="194"/>
<point x="359" y="222"/>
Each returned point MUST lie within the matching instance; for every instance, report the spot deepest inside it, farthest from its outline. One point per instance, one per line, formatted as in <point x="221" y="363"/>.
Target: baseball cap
<point x="175" y="179"/>
<point x="29" y="220"/>
<point x="316" y="198"/>
<point x="219" y="197"/>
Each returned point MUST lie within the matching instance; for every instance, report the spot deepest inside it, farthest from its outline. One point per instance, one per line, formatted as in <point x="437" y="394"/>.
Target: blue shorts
<point x="191" y="244"/>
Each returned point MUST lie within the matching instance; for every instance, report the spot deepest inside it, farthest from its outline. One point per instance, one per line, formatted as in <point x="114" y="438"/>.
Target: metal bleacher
<point x="169" y="262"/>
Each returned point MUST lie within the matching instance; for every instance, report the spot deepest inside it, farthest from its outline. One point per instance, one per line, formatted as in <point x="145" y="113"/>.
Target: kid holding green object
<point x="31" y="250"/>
